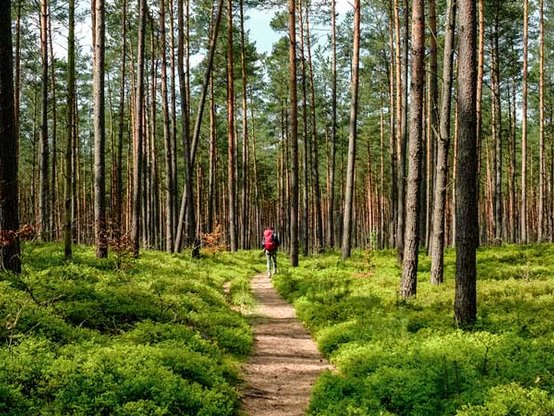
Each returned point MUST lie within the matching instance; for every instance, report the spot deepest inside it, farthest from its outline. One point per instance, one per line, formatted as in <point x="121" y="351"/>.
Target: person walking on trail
<point x="270" y="244"/>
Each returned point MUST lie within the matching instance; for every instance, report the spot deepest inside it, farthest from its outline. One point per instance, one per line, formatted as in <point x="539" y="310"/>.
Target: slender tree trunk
<point x="443" y="144"/>
<point x="54" y="223"/>
<point x="99" y="133"/>
<point x="196" y="133"/>
<point x="187" y="218"/>
<point x="542" y="161"/>
<point x="524" y="215"/>
<point x="497" y="134"/>
<point x="245" y="206"/>
<point x="351" y="169"/>
<point x="168" y="141"/>
<point x="9" y="203"/>
<point x="433" y="120"/>
<point x="393" y="129"/>
<point x="68" y="221"/>
<point x="305" y="153"/>
<point x="320" y="244"/>
<point x="138" y="131"/>
<point x="408" y="286"/>
<point x="44" y="206"/>
<point x="231" y="130"/>
<point x="465" y="303"/>
<point x="118" y="171"/>
<point x="293" y="136"/>
<point x="401" y="131"/>
<point x="333" y="138"/>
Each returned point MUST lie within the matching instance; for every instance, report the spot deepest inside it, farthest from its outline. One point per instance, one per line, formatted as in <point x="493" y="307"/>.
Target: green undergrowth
<point x="161" y="337"/>
<point x="408" y="358"/>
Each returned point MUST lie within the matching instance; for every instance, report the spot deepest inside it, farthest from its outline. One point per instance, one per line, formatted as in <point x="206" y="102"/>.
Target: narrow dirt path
<point x="285" y="362"/>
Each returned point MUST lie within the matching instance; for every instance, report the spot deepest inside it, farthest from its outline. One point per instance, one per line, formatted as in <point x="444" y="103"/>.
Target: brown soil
<point x="285" y="362"/>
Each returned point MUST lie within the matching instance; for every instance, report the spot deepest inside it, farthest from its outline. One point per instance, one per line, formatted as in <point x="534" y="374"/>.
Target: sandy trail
<point x="285" y="362"/>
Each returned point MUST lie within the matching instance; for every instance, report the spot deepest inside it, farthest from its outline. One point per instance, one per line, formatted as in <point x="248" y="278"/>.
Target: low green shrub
<point x="407" y="357"/>
<point x="159" y="337"/>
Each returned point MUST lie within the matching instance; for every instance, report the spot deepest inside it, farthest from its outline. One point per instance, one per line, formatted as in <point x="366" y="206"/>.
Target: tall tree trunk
<point x="168" y="141"/>
<point x="118" y="171"/>
<point x="443" y="144"/>
<point x="68" y="223"/>
<point x="9" y="217"/>
<point x="542" y="161"/>
<point x="333" y="139"/>
<point x="465" y="302"/>
<point x="408" y="286"/>
<point x="497" y="134"/>
<point x="315" y="153"/>
<point x="187" y="218"/>
<point x="191" y="150"/>
<point x="231" y="181"/>
<point x="245" y="147"/>
<point x="138" y="131"/>
<point x="293" y="136"/>
<point x="524" y="215"/>
<point x="480" y="72"/>
<point x="305" y="153"/>
<point x="433" y="136"/>
<point x="99" y="133"/>
<point x="401" y="133"/>
<point x="351" y="171"/>
<point x="393" y="129"/>
<point x="54" y="223"/>
<point x="44" y="206"/>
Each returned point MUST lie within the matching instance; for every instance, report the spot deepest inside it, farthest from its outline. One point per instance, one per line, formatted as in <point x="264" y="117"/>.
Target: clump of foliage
<point x="159" y="337"/>
<point x="408" y="358"/>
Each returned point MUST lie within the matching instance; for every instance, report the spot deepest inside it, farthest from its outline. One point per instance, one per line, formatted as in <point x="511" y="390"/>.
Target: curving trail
<point x="285" y="362"/>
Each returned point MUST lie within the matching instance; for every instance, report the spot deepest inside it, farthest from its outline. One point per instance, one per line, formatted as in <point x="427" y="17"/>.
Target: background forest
<point x="232" y="161"/>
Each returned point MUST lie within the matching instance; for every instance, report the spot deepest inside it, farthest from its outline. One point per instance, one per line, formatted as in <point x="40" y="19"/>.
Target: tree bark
<point x="138" y="132"/>
<point x="333" y="139"/>
<point x="231" y="179"/>
<point x="465" y="302"/>
<point x="99" y="133"/>
<point x="44" y="206"/>
<point x="542" y="162"/>
<point x="443" y="144"/>
<point x="9" y="217"/>
<point x="408" y="286"/>
<point x="524" y="215"/>
<point x="351" y="169"/>
<point x="68" y="220"/>
<point x="293" y="136"/>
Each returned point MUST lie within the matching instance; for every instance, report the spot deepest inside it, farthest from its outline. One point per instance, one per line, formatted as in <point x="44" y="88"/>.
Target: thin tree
<point x="350" y="171"/>
<point x="408" y="285"/>
<point x="333" y="138"/>
<point x="138" y="131"/>
<point x="245" y="206"/>
<point x="197" y="125"/>
<point x="465" y="303"/>
<point x="168" y="140"/>
<point x="542" y="162"/>
<point x="293" y="136"/>
<point x="443" y="144"/>
<point x="68" y="223"/>
<point x="9" y="217"/>
<point x="99" y="131"/>
<point x="118" y="169"/>
<point x="231" y="180"/>
<point x="315" y="152"/>
<point x="44" y="205"/>
<point x="524" y="227"/>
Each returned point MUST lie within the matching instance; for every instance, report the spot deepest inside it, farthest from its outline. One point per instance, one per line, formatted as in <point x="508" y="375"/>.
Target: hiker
<point x="270" y="244"/>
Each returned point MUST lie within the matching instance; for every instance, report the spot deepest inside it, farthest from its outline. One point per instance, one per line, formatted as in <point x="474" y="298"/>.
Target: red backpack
<point x="271" y="242"/>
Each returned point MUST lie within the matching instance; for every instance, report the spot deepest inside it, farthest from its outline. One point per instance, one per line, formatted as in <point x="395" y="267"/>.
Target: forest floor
<point x="281" y="371"/>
